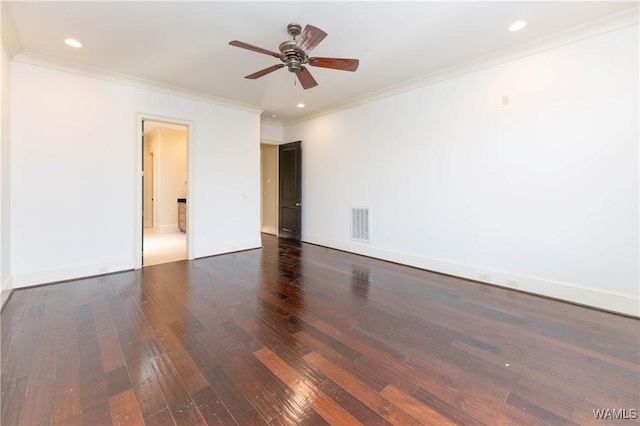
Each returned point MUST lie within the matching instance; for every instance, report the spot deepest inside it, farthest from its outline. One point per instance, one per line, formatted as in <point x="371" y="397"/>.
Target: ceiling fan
<point x="294" y="54"/>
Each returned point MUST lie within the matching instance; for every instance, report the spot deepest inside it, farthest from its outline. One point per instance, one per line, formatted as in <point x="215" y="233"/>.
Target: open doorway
<point x="164" y="192"/>
<point x="281" y="189"/>
<point x="269" y="188"/>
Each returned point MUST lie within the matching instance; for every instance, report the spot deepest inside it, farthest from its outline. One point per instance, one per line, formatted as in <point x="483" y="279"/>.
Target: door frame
<point x="148" y="167"/>
<point x="138" y="226"/>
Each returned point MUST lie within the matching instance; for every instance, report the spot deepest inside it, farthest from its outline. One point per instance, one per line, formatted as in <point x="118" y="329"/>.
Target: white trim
<point x="6" y="294"/>
<point x="6" y="290"/>
<point x="138" y="202"/>
<point x="70" y="272"/>
<point x="191" y="198"/>
<point x="35" y="59"/>
<point x="587" y="30"/>
<point x="10" y="37"/>
<point x="230" y="247"/>
<point x="623" y="303"/>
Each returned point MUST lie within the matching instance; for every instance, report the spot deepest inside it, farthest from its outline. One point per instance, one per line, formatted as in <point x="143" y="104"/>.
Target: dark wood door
<point x="290" y="177"/>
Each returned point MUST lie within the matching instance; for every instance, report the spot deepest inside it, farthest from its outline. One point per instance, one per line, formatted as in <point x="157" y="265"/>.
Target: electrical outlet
<point x="512" y="283"/>
<point x="484" y="277"/>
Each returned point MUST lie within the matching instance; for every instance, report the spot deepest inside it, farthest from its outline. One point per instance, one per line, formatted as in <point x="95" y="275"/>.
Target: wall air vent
<point x="360" y="224"/>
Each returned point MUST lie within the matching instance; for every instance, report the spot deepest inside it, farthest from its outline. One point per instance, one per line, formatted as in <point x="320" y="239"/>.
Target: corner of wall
<point x="9" y="37"/>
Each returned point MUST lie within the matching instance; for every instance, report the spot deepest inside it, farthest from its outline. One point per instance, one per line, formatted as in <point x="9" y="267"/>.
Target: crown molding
<point x="584" y="31"/>
<point x="11" y="41"/>
<point x="35" y="59"/>
<point x="10" y="37"/>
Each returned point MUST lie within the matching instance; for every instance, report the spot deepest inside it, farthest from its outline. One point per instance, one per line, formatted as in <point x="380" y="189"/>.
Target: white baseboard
<point x="28" y="279"/>
<point x="228" y="247"/>
<point x="616" y="302"/>
<point x="610" y="301"/>
<point x="165" y="229"/>
<point x="6" y="290"/>
<point x="68" y="273"/>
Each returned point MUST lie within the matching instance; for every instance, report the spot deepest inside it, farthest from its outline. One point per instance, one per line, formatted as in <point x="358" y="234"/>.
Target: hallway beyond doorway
<point x="163" y="247"/>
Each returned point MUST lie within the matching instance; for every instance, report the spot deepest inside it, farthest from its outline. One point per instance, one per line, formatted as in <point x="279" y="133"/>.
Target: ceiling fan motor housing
<point x="293" y="57"/>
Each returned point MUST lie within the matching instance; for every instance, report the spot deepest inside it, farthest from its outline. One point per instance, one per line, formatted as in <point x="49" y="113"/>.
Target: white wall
<point x="271" y="132"/>
<point x="541" y="194"/>
<point x="74" y="173"/>
<point x="5" y="179"/>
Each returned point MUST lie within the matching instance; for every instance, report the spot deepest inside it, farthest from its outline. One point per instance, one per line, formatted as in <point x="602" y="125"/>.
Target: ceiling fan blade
<point x="335" y="63"/>
<point x="264" y="71"/>
<point x="311" y="36"/>
<point x="306" y="79"/>
<point x="253" y="48"/>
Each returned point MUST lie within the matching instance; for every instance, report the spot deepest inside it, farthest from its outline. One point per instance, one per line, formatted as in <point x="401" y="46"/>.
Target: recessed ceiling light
<point x="300" y="105"/>
<point x="517" y="26"/>
<point x="73" y="43"/>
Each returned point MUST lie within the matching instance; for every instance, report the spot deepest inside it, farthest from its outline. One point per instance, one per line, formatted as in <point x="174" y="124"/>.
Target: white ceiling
<point x="185" y="44"/>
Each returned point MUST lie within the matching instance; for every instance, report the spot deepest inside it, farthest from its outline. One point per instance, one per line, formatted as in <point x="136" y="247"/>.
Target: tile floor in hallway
<point x="163" y="247"/>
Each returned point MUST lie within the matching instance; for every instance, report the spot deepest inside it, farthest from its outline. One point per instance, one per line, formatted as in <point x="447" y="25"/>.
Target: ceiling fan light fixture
<point x="517" y="25"/>
<point x="294" y="66"/>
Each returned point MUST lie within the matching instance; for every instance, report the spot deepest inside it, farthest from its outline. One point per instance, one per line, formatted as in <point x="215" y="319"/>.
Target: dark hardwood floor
<point x="300" y="334"/>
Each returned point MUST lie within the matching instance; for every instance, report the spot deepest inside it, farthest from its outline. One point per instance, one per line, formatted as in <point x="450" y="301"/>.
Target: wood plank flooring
<point x="296" y="334"/>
